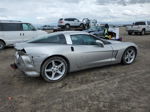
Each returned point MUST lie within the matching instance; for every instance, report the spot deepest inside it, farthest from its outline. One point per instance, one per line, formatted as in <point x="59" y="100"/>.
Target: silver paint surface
<point x="83" y="56"/>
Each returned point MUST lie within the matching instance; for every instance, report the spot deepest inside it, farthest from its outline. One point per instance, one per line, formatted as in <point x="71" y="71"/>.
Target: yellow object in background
<point x="109" y="36"/>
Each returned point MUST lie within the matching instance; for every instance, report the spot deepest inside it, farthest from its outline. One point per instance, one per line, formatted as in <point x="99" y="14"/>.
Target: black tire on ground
<point x="67" y="27"/>
<point x="129" y="33"/>
<point x="142" y="32"/>
<point x="2" y="45"/>
<point x="43" y="73"/>
<point x="124" y="55"/>
<point x="82" y="26"/>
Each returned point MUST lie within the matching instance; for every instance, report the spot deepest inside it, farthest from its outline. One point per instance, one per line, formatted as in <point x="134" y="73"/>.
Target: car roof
<point x="10" y="21"/>
<point x="69" y="32"/>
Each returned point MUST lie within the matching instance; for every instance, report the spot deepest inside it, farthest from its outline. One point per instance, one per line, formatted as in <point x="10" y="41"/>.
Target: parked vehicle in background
<point x="56" y="28"/>
<point x="86" y="22"/>
<point x="99" y="32"/>
<point x="67" y="23"/>
<point x="141" y="27"/>
<point x="12" y="32"/>
<point x="54" y="55"/>
<point x="96" y="30"/>
<point x="46" y="27"/>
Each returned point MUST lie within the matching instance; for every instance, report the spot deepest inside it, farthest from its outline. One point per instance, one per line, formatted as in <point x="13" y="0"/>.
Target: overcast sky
<point x="49" y="11"/>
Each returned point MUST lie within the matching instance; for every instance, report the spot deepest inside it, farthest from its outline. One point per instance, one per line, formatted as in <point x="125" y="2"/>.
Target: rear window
<point x="60" y="19"/>
<point x="140" y="23"/>
<point x="58" y="39"/>
<point x="10" y="27"/>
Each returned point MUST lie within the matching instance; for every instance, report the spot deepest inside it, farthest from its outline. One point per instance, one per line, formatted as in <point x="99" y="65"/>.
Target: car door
<point x="88" y="53"/>
<point x="76" y="22"/>
<point x="12" y="32"/>
<point x="72" y="22"/>
<point x="29" y="32"/>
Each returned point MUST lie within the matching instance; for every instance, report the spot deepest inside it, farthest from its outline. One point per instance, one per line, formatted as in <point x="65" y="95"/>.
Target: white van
<point x="12" y="32"/>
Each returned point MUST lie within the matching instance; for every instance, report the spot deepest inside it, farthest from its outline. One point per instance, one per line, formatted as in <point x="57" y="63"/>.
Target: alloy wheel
<point x="55" y="69"/>
<point x="1" y="45"/>
<point x="130" y="55"/>
<point x="143" y="32"/>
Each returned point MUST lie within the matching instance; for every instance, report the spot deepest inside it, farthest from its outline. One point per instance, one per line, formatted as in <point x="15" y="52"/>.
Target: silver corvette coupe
<point x="54" y="55"/>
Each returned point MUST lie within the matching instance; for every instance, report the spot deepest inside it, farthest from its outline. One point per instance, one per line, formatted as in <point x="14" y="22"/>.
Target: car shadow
<point x="92" y="69"/>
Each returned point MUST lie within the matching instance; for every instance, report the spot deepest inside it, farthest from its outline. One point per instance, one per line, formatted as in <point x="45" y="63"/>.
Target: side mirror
<point x="99" y="43"/>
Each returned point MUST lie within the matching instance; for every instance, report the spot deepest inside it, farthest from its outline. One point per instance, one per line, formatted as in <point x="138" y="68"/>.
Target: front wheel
<point x="54" y="69"/>
<point x="2" y="45"/>
<point x="129" y="56"/>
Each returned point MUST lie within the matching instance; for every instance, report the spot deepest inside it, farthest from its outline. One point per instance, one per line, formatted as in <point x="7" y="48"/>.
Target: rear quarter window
<point x="11" y="27"/>
<point x="60" y="19"/>
<point x="57" y="39"/>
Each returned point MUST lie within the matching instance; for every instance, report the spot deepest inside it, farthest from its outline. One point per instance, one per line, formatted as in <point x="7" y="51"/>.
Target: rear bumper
<point x="26" y="65"/>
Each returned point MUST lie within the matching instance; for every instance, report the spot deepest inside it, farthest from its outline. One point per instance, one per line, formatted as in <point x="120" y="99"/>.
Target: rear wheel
<point x="142" y="32"/>
<point x="129" y="56"/>
<point x="67" y="26"/>
<point x="129" y="33"/>
<point x="54" y="69"/>
<point x="2" y="45"/>
<point x="82" y="26"/>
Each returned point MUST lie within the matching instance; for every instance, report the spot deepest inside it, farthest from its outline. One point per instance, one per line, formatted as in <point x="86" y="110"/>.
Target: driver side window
<point x="83" y="39"/>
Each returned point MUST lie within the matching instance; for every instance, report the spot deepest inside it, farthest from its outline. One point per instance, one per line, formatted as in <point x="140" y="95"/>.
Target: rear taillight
<point x="22" y="52"/>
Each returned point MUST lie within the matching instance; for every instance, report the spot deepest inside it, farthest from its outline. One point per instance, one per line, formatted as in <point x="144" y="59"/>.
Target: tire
<point x="82" y="26"/>
<point x="142" y="32"/>
<point x="129" y="33"/>
<point x="67" y="26"/>
<point x="129" y="56"/>
<point x="2" y="45"/>
<point x="54" y="69"/>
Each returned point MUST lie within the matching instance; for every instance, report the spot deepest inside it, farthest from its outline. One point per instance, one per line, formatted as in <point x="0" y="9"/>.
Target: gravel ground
<point x="115" y="88"/>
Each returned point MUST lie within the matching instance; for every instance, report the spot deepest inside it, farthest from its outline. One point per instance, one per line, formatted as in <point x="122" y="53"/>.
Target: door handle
<point x="23" y="34"/>
<point x="72" y="49"/>
<point x="20" y="34"/>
